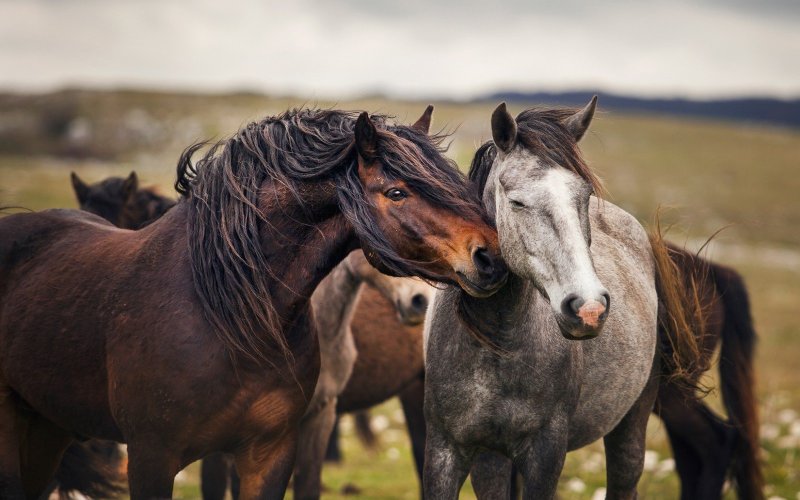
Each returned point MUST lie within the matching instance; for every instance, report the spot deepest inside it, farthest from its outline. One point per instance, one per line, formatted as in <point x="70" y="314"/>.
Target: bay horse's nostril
<point x="419" y="303"/>
<point x="483" y="261"/>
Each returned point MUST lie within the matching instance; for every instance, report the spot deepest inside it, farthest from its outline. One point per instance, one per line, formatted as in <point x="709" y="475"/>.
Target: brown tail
<point x="680" y="316"/>
<point x="738" y="381"/>
<point x="91" y="469"/>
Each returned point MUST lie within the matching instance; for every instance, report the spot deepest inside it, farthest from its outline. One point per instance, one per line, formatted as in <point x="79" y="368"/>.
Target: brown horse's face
<point x="444" y="244"/>
<point x="107" y="198"/>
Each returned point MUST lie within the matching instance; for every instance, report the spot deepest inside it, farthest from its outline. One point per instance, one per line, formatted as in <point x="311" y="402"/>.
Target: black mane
<point x="231" y="274"/>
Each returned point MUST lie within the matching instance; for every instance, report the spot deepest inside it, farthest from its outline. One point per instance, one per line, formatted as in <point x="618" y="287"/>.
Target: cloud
<point x="413" y="48"/>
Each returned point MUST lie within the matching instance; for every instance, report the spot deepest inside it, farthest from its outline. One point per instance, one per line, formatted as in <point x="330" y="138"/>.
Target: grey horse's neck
<point x="498" y="318"/>
<point x="335" y="298"/>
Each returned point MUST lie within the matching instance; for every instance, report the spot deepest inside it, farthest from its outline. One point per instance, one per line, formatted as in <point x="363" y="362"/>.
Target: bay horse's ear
<point x="578" y="123"/>
<point x="130" y="186"/>
<point x="80" y="187"/>
<point x="366" y="138"/>
<point x="504" y="129"/>
<point x="424" y="122"/>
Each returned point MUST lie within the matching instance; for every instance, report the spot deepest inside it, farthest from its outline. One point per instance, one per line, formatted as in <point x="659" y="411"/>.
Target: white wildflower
<point x="650" y="460"/>
<point x="575" y="485"/>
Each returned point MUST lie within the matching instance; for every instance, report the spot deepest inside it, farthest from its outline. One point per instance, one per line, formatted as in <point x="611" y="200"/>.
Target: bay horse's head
<point x="410" y="296"/>
<point x="414" y="213"/>
<point x="106" y="198"/>
<point x="539" y="189"/>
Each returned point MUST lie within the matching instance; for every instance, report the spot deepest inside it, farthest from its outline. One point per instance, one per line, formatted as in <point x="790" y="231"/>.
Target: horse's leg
<point x="315" y="431"/>
<point x="445" y="468"/>
<point x="235" y="483"/>
<point x="701" y="442"/>
<point x="10" y="423"/>
<point x="491" y="476"/>
<point x="541" y="460"/>
<point x="151" y="469"/>
<point x="214" y="476"/>
<point x="265" y="467"/>
<point x="412" y="399"/>
<point x="334" y="452"/>
<point x="44" y="445"/>
<point x="625" y="444"/>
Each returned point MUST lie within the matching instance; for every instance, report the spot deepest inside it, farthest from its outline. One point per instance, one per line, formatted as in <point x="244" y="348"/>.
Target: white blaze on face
<point x="574" y="270"/>
<point x="542" y="219"/>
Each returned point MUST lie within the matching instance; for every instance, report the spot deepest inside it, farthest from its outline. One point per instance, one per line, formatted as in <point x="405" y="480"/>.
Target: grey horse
<point x="546" y="365"/>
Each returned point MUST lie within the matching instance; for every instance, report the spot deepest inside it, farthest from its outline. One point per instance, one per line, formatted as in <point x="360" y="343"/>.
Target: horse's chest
<point x="499" y="404"/>
<point x="617" y="366"/>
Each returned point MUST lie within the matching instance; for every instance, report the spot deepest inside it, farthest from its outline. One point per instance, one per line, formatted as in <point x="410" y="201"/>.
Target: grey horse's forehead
<point x="519" y="166"/>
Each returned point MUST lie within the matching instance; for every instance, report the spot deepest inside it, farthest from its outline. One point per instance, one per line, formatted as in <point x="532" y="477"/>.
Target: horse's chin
<point x="573" y="331"/>
<point x="478" y="290"/>
<point x="410" y="319"/>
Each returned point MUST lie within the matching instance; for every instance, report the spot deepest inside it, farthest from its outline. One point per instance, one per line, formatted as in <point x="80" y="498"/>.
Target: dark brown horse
<point x="707" y="448"/>
<point x="194" y="334"/>
<point x="121" y="201"/>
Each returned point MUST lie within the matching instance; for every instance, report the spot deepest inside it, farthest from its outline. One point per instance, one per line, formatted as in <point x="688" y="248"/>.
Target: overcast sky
<point x="413" y="48"/>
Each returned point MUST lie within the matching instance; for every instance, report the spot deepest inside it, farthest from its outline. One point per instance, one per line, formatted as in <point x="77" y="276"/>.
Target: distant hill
<point x="757" y="110"/>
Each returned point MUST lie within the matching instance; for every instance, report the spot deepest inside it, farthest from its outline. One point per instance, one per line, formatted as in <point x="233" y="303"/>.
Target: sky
<point x="405" y="48"/>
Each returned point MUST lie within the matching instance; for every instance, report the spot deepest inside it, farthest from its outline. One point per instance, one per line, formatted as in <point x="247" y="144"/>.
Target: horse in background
<point x="227" y="361"/>
<point x="121" y="201"/>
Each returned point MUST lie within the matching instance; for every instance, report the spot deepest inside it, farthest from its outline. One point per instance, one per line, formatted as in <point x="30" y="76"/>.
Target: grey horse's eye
<point x="515" y="203"/>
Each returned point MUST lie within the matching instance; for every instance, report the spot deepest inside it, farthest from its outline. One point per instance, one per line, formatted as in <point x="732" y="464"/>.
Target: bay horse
<point x="194" y="334"/>
<point x="121" y="201"/>
<point x="546" y="365"/>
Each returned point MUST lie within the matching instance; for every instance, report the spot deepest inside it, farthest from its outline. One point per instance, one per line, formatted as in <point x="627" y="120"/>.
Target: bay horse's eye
<point x="395" y="194"/>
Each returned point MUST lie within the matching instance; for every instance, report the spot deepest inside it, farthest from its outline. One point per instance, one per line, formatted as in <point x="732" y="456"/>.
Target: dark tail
<point x="738" y="380"/>
<point x="93" y="469"/>
<point x="364" y="430"/>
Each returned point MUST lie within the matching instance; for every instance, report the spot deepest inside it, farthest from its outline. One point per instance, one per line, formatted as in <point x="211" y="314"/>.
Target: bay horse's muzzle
<point x="491" y="271"/>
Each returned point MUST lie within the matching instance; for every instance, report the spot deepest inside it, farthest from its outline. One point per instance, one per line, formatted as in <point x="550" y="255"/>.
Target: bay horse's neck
<point x="302" y="244"/>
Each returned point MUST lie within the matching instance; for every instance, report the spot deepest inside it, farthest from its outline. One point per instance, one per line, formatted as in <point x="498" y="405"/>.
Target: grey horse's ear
<point x="366" y="138"/>
<point x="504" y="129"/>
<point x="130" y="186"/>
<point x="578" y="123"/>
<point x="424" y="122"/>
<point x="80" y="187"/>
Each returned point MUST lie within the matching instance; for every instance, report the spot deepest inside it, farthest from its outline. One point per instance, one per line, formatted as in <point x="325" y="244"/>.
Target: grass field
<point x="707" y="175"/>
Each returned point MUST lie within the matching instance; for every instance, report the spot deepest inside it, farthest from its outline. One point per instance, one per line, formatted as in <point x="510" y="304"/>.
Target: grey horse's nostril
<point x="419" y="302"/>
<point x="571" y="305"/>
<point x="605" y="299"/>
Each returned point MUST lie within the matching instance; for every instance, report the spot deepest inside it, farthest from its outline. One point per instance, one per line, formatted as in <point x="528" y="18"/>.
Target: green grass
<point x="710" y="174"/>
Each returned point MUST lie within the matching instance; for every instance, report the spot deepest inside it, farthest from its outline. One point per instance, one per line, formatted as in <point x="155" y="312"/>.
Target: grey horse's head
<point x="539" y="190"/>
